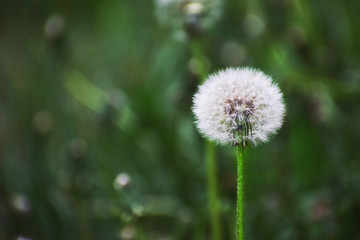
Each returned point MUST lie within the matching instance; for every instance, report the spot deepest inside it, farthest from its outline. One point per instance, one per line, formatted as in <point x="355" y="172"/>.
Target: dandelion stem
<point x="240" y="193"/>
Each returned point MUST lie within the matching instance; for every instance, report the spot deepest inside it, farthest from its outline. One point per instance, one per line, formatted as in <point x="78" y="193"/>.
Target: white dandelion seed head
<point x="238" y="105"/>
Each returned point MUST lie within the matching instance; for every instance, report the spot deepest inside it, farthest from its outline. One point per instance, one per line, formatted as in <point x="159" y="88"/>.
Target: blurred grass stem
<point x="240" y="194"/>
<point x="214" y="203"/>
<point x="210" y="159"/>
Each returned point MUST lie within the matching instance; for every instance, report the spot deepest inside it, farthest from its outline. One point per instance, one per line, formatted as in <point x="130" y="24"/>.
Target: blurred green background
<point x="97" y="139"/>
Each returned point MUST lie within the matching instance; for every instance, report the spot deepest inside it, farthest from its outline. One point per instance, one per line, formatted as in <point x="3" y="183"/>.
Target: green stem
<point x="197" y="51"/>
<point x="211" y="172"/>
<point x="240" y="194"/>
<point x="214" y="203"/>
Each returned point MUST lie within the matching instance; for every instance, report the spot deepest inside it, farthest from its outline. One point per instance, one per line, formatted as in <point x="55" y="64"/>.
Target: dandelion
<point x="20" y="237"/>
<point x="128" y="232"/>
<point x="21" y="203"/>
<point x="122" y="180"/>
<point x="178" y="13"/>
<point x="54" y="27"/>
<point x="238" y="106"/>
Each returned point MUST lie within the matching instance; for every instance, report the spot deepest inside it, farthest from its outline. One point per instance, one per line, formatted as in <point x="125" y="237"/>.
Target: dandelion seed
<point x="238" y="105"/>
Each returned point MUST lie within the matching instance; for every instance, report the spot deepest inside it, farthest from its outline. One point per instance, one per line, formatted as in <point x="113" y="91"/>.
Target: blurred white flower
<point x="54" y="26"/>
<point x="21" y="203"/>
<point x="20" y="237"/>
<point x="254" y="25"/>
<point x="179" y="12"/>
<point x="43" y="121"/>
<point x="238" y="105"/>
<point x="122" y="180"/>
<point x="127" y="232"/>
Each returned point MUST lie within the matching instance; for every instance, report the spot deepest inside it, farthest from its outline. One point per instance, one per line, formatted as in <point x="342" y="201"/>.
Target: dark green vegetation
<point x="104" y="89"/>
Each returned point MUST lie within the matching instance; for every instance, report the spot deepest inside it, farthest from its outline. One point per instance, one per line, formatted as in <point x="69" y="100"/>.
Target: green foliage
<point x="92" y="89"/>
